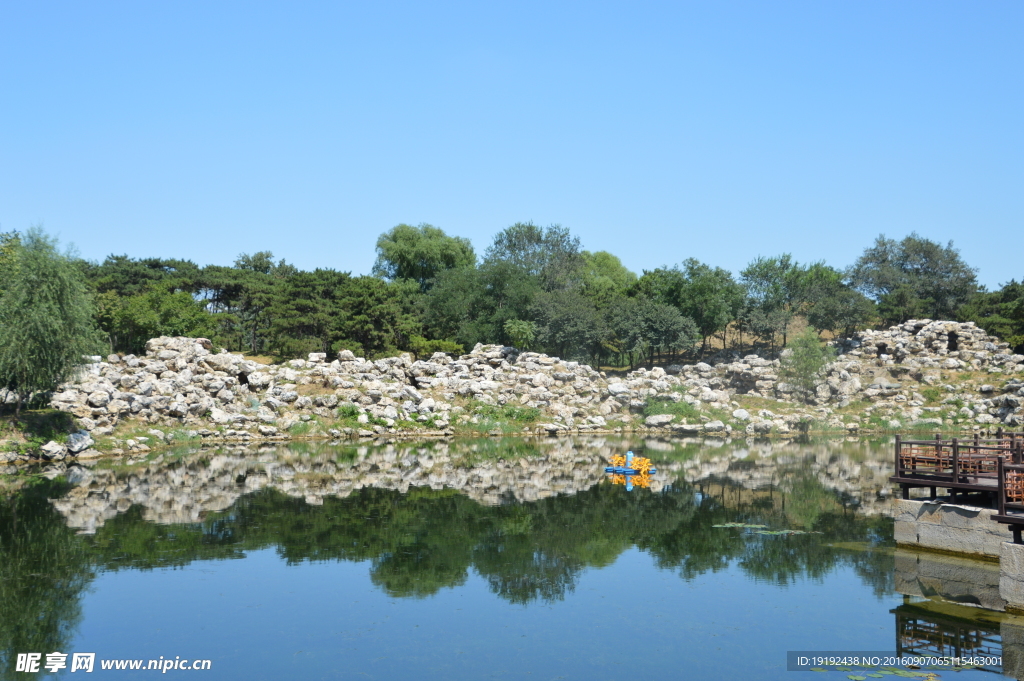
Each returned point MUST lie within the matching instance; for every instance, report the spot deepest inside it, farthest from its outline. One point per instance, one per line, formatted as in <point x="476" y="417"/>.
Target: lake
<point x="477" y="559"/>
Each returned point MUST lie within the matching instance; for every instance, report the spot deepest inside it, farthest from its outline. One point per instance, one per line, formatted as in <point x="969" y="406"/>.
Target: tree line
<point x="533" y="287"/>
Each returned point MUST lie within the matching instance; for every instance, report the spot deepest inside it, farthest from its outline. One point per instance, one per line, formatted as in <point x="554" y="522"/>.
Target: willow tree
<point x="46" y="317"/>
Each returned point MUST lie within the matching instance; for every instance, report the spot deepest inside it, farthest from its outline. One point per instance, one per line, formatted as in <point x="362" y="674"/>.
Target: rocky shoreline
<point x="922" y="374"/>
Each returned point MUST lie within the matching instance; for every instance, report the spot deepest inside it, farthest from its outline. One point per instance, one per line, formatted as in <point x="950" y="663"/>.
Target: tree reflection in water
<point x="423" y="540"/>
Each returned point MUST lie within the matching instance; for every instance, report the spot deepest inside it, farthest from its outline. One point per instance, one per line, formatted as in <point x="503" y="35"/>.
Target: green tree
<point x="710" y="297"/>
<point x="605" y="278"/>
<point x="803" y="365"/>
<point x="241" y="298"/>
<point x="915" y="277"/>
<point x="522" y="333"/>
<point x="1000" y="313"/>
<point x="827" y="302"/>
<point x="639" y="326"/>
<point x="471" y="305"/>
<point x="458" y="307"/>
<point x="130" y="321"/>
<point x="551" y="254"/>
<point x="420" y="253"/>
<point x="772" y="286"/>
<point x="308" y="311"/>
<point x="46" y="318"/>
<point x="569" y="324"/>
<point x="128" y="276"/>
<point x="378" y="317"/>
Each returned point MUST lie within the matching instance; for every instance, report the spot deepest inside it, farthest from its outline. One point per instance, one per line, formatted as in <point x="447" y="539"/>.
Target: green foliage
<point x="128" y="277"/>
<point x="471" y="305"/>
<point x="377" y="315"/>
<point x="803" y="366"/>
<point x="665" y="406"/>
<point x="552" y="254"/>
<point x="307" y="311"/>
<point x="421" y="347"/>
<point x="39" y="426"/>
<point x="420" y="253"/>
<point x="130" y="321"/>
<point x="931" y="395"/>
<point x="604" y="278"/>
<point x="46" y="318"/>
<point x="707" y="296"/>
<point x="347" y="411"/>
<point x="522" y="333"/>
<point x="303" y="427"/>
<point x="773" y="287"/>
<point x="638" y="326"/>
<point x="508" y="412"/>
<point x="914" y="277"/>
<point x="568" y="323"/>
<point x="241" y="299"/>
<point x="45" y="570"/>
<point x="1000" y="313"/>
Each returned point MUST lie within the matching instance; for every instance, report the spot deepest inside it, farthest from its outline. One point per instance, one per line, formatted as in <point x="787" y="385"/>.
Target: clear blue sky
<point x="656" y="131"/>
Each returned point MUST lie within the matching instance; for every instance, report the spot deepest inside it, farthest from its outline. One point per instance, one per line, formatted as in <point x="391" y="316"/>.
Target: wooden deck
<point x="994" y="468"/>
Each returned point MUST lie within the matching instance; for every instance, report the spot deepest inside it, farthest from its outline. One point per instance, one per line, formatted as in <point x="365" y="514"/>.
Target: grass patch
<point x="39" y="426"/>
<point x="680" y="409"/>
<point x="180" y="435"/>
<point x="313" y="389"/>
<point x="303" y="427"/>
<point x="508" y="412"/>
<point x="932" y="395"/>
<point x="347" y="411"/>
<point x="265" y="360"/>
<point x="506" y="418"/>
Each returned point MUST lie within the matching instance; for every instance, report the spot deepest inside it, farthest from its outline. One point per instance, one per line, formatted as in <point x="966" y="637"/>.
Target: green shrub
<point x="804" y="366"/>
<point x="509" y="412"/>
<point x="302" y="427"/>
<point x="347" y="411"/>
<point x="663" y="406"/>
<point x="421" y="347"/>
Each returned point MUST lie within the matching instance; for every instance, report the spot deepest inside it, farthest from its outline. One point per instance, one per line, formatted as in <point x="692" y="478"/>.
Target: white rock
<point x="79" y="441"/>
<point x="659" y="420"/>
<point x="54" y="451"/>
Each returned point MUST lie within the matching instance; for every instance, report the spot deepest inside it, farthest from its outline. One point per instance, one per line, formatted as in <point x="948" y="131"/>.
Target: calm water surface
<point x="496" y="559"/>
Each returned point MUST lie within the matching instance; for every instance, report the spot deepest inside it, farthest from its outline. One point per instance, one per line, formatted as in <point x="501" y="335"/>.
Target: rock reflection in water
<point x="528" y="517"/>
<point x="488" y="471"/>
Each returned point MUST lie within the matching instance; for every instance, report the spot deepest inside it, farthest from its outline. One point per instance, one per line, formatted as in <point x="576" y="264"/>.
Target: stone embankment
<point x="180" y="388"/>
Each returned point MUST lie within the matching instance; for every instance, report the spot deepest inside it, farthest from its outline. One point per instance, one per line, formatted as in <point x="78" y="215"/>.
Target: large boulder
<point x="78" y="442"/>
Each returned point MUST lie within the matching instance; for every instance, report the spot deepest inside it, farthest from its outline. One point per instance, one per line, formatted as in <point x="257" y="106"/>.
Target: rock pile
<point x="180" y="383"/>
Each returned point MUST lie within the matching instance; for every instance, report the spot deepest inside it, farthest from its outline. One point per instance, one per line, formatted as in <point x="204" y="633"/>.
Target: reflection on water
<point x="930" y="630"/>
<point x="529" y="518"/>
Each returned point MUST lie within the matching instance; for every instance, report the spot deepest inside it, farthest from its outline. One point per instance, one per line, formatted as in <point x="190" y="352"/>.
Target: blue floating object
<point x="621" y="470"/>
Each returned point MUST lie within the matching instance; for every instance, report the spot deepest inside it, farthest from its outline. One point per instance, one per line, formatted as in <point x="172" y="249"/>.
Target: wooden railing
<point x="994" y="468"/>
<point x="968" y="465"/>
